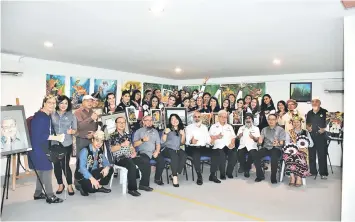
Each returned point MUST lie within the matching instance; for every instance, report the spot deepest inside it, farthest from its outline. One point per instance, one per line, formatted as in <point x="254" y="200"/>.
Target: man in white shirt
<point x="248" y="136"/>
<point x="197" y="137"/>
<point x="223" y="138"/>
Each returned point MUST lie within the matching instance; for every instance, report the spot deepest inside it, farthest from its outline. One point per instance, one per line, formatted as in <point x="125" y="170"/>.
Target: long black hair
<point x="106" y="99"/>
<point x="180" y="126"/>
<point x="61" y="99"/>
<point x="133" y="97"/>
<point x="229" y="105"/>
<point x="264" y="107"/>
<point x="283" y="103"/>
<point x="217" y="109"/>
<point x="151" y="102"/>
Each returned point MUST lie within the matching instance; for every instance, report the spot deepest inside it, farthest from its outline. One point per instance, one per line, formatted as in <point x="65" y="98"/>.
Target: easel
<point x="16" y="160"/>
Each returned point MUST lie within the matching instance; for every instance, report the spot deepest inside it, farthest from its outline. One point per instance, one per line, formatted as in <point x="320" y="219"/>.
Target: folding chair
<point x="203" y="159"/>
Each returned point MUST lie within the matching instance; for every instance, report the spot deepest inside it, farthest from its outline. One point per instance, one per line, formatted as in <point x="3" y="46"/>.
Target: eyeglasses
<point x="197" y="116"/>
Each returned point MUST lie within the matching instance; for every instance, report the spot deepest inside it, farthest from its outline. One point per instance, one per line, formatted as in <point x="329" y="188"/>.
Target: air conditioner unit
<point x="12" y="67"/>
<point x="334" y="87"/>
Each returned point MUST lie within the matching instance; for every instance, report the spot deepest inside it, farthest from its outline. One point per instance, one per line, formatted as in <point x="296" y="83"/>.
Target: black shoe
<point x="159" y="182"/>
<point x="240" y="170"/>
<point x="230" y="176"/>
<point x="176" y="185"/>
<point x="54" y="199"/>
<point x="199" y="179"/>
<point x="223" y="177"/>
<point x="103" y="190"/>
<point x="71" y="193"/>
<point x="40" y="197"/>
<point x="115" y="175"/>
<point x="323" y="177"/>
<point x="145" y="188"/>
<point x="259" y="179"/>
<point x="213" y="178"/>
<point x="83" y="193"/>
<point x="273" y="181"/>
<point x="247" y="174"/>
<point x="134" y="193"/>
<point x="60" y="191"/>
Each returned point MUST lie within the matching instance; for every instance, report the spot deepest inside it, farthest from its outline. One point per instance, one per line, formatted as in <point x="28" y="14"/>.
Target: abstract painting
<point x="256" y="90"/>
<point x="236" y="118"/>
<point x="151" y="86"/>
<point x="170" y="87"/>
<point x="79" y="87"/>
<point x="301" y="91"/>
<point x="55" y="85"/>
<point x="102" y="87"/>
<point x="131" y="86"/>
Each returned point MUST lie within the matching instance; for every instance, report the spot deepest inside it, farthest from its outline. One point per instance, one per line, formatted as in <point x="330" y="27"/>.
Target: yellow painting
<point x="132" y="85"/>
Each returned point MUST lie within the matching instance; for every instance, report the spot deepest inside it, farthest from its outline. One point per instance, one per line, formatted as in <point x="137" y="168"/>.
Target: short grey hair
<point x="221" y="112"/>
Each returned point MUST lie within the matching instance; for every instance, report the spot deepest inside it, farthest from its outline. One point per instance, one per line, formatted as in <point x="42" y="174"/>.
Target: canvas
<point x="165" y="95"/>
<point x="170" y="87"/>
<point x="240" y="90"/>
<point x="131" y="86"/>
<point x="237" y="119"/>
<point x="335" y="121"/>
<point x="190" y="118"/>
<point x="131" y="114"/>
<point x="151" y="86"/>
<point x="156" y="115"/>
<point x="109" y="121"/>
<point x="181" y="112"/>
<point x="14" y="132"/>
<point x="102" y="87"/>
<point x="55" y="85"/>
<point x="79" y="87"/>
<point x="206" y="119"/>
<point x="301" y="91"/>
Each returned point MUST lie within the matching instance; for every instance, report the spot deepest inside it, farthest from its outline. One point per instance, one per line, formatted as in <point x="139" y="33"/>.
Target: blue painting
<point x="79" y="87"/>
<point x="55" y="85"/>
<point x="102" y="87"/>
<point x="301" y="91"/>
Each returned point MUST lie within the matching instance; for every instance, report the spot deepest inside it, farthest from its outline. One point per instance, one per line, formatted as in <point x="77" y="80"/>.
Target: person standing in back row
<point x="316" y="124"/>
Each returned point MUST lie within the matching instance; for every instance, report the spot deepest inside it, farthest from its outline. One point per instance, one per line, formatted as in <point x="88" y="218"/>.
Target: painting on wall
<point x="151" y="86"/>
<point x="79" y="87"/>
<point x="165" y="95"/>
<point x="131" y="86"/>
<point x="301" y="91"/>
<point x="102" y="87"/>
<point x="55" y="85"/>
<point x="170" y="87"/>
<point x="240" y="90"/>
<point x="190" y="89"/>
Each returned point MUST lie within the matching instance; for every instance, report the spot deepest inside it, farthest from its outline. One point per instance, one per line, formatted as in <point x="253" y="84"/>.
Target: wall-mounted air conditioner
<point x="334" y="87"/>
<point x="12" y="67"/>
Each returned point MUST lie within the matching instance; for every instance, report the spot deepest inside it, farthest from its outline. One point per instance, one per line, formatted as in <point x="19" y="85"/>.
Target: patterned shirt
<point x="117" y="139"/>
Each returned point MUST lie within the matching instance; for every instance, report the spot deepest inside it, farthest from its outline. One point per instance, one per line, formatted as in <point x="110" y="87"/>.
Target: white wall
<point x="31" y="87"/>
<point x="348" y="200"/>
<point x="278" y="86"/>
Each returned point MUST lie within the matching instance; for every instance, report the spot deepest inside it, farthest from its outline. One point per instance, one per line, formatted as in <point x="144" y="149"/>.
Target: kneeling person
<point x="92" y="168"/>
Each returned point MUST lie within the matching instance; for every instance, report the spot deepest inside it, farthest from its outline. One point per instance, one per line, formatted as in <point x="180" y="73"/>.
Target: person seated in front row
<point x="223" y="137"/>
<point x="272" y="139"/>
<point x="197" y="138"/>
<point x="92" y="168"/>
<point x="248" y="136"/>
<point x="124" y="153"/>
<point x="147" y="141"/>
<point x="172" y="139"/>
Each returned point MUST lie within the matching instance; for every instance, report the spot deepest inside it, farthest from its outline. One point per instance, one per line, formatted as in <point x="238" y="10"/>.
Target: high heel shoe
<point x="60" y="191"/>
<point x="174" y="184"/>
<point x="71" y="193"/>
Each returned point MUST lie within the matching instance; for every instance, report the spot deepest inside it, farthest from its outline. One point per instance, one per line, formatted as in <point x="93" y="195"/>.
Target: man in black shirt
<point x="316" y="124"/>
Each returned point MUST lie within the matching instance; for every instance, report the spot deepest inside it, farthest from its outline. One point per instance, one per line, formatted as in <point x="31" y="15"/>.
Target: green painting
<point x="190" y="89"/>
<point x="256" y="90"/>
<point x="170" y="87"/>
<point x="151" y="86"/>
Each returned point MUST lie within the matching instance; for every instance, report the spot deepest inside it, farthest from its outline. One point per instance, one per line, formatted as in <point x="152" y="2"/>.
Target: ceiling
<point x="203" y="37"/>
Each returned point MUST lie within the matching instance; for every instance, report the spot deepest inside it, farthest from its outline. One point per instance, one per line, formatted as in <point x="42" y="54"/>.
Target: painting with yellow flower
<point x="131" y="86"/>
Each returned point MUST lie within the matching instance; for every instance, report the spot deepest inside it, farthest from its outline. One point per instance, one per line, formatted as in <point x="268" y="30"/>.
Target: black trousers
<point x="320" y="149"/>
<point x="245" y="163"/>
<point x="143" y="163"/>
<point x="197" y="152"/>
<point x="132" y="172"/>
<point x="275" y="154"/>
<point x="86" y="183"/>
<point x="220" y="156"/>
<point x="178" y="159"/>
<point x="63" y="166"/>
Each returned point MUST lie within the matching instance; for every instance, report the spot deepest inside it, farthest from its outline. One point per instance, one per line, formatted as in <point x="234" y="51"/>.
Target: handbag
<point x="55" y="152"/>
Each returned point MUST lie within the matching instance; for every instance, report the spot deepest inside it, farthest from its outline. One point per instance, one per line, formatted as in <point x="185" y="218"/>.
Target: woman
<point x="41" y="135"/>
<point x="125" y="102"/>
<point x="297" y="161"/>
<point x="281" y="111"/>
<point x="255" y="110"/>
<point x="194" y="93"/>
<point x="136" y="98"/>
<point x="206" y="99"/>
<point x="226" y="106"/>
<point x="186" y="104"/>
<point x="199" y="103"/>
<point x="64" y="122"/>
<point x="192" y="104"/>
<point x="247" y="101"/>
<point x="154" y="103"/>
<point x="232" y="100"/>
<point x="213" y="105"/>
<point x="171" y="102"/>
<point x="147" y="96"/>
<point x="173" y="137"/>
<point x="110" y="104"/>
<point x="267" y="107"/>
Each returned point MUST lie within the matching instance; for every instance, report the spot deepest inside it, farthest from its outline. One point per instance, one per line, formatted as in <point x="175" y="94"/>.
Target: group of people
<point x="278" y="132"/>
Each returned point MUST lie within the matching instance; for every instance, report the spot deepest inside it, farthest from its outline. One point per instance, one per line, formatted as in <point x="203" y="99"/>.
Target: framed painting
<point x="181" y="112"/>
<point x="131" y="114"/>
<point x="156" y="116"/>
<point x="190" y="117"/>
<point x="109" y="122"/>
<point x="206" y="119"/>
<point x="301" y="91"/>
<point x="236" y="118"/>
<point x="14" y="132"/>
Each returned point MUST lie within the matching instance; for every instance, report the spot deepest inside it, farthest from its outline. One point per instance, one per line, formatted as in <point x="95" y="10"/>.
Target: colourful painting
<point x="301" y="91"/>
<point x="151" y="86"/>
<point x="55" y="85"/>
<point x="170" y="87"/>
<point x="79" y="87"/>
<point x="131" y="86"/>
<point x="190" y="89"/>
<point x="256" y="90"/>
<point x="102" y="87"/>
<point x="335" y="121"/>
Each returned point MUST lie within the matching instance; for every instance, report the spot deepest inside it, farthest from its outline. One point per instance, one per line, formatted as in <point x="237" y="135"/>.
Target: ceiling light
<point x="276" y="61"/>
<point x="48" y="44"/>
<point x="178" y="70"/>
<point x="157" y="8"/>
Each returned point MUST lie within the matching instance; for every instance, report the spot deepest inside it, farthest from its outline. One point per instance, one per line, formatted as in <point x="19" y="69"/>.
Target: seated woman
<point x="172" y="139"/>
<point x="92" y="168"/>
<point x="296" y="154"/>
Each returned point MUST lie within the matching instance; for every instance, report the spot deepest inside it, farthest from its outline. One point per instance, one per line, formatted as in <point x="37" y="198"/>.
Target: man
<point x="292" y="111"/>
<point x="92" y="168"/>
<point x="147" y="141"/>
<point x="316" y="124"/>
<point x="10" y="137"/>
<point x="248" y="136"/>
<point x="123" y="154"/>
<point x="272" y="139"/>
<point x="223" y="138"/>
<point x="197" y="137"/>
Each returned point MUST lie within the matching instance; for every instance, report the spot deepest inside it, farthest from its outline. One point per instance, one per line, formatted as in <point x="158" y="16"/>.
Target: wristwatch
<point x="142" y="140"/>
